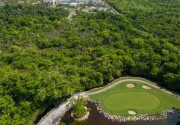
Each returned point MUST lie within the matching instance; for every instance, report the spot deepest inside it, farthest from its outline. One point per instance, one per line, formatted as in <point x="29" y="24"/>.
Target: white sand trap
<point x="131" y="112"/>
<point x="130" y="85"/>
<point x="146" y="87"/>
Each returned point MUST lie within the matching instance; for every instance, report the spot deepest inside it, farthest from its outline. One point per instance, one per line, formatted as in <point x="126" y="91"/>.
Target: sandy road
<point x="55" y="115"/>
<point x="71" y="14"/>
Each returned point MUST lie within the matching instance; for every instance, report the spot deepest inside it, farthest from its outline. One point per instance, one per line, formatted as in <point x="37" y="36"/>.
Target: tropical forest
<point x="45" y="58"/>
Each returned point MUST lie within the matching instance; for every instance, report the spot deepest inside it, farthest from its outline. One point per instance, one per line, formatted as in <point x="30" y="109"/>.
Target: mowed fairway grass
<point x="119" y="99"/>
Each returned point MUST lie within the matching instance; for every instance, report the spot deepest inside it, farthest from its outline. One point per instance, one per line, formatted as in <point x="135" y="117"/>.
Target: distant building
<point x="2" y="3"/>
<point x="55" y="2"/>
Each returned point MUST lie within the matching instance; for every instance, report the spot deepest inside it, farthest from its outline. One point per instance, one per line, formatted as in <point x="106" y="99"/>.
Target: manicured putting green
<point x="142" y="98"/>
<point x="132" y="100"/>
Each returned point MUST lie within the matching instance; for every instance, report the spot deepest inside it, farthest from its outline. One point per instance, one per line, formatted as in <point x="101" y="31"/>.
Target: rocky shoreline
<point x="144" y="117"/>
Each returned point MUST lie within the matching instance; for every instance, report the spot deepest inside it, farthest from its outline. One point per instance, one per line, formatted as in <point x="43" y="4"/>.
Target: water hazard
<point x="95" y="118"/>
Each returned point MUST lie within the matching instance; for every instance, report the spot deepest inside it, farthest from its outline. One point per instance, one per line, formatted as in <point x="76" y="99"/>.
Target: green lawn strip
<point x="122" y="78"/>
<point x="166" y="100"/>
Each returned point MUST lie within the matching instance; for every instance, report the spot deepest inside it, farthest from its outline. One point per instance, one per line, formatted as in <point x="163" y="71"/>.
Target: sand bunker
<point x="130" y="85"/>
<point x="131" y="112"/>
<point x="146" y="87"/>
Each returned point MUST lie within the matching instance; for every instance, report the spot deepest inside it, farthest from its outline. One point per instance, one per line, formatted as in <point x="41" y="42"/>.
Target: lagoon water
<point x="95" y="118"/>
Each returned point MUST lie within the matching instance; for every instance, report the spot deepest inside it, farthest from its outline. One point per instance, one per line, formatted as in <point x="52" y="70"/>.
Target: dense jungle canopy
<point x="45" y="58"/>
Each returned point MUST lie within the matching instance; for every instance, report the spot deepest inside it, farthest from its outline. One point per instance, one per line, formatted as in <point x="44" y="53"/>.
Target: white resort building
<point x="55" y="2"/>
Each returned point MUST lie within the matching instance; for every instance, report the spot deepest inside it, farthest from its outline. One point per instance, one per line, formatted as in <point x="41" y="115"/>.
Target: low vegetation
<point x="79" y="109"/>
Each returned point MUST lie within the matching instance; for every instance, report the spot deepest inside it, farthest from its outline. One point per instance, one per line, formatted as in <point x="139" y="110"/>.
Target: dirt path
<point x="115" y="11"/>
<point x="71" y="14"/>
<point x="55" y="115"/>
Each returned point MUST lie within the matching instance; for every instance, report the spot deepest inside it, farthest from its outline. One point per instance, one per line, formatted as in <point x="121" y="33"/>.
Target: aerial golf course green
<point x="134" y="96"/>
